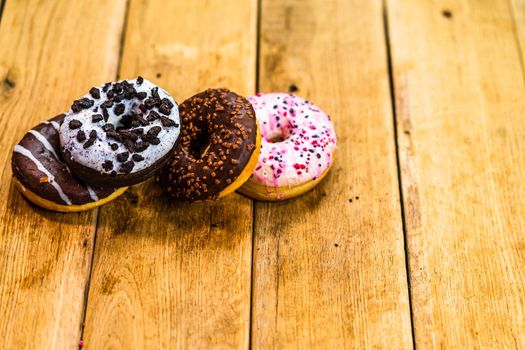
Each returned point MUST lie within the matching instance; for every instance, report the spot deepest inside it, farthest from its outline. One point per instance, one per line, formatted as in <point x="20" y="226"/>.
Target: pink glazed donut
<point x="297" y="148"/>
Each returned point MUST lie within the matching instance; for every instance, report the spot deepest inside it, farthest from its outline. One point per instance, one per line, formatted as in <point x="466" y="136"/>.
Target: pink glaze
<point x="308" y="144"/>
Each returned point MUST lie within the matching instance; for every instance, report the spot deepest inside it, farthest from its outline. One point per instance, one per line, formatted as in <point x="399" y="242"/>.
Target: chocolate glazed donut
<point x="218" y="148"/>
<point x="45" y="179"/>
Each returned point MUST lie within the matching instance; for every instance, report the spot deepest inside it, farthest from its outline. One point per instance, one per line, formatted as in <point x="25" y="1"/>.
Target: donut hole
<point x="200" y="144"/>
<point x="276" y="139"/>
<point x="279" y="135"/>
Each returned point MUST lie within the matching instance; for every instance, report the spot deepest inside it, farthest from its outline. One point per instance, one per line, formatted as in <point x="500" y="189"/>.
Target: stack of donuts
<point x="268" y="146"/>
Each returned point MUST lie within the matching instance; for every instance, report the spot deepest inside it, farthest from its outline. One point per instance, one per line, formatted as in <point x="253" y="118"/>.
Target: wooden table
<point x="416" y="238"/>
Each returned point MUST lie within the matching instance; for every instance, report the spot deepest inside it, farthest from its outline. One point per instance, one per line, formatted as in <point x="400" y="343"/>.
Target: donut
<point x="43" y="177"/>
<point x="121" y="133"/>
<point x="297" y="148"/>
<point x="218" y="150"/>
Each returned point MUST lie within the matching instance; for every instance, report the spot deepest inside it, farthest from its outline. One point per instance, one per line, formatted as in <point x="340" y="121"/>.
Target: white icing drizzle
<point x="43" y="141"/>
<point x="25" y="152"/>
<point x="55" y="125"/>
<point x="92" y="193"/>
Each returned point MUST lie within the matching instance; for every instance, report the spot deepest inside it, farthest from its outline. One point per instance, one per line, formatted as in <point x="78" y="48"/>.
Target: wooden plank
<point x="518" y="9"/>
<point x="329" y="266"/>
<point x="178" y="275"/>
<point x="460" y="99"/>
<point x="47" y="58"/>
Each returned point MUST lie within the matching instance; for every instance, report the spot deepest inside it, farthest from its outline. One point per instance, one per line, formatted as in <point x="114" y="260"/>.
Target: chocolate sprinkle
<point x="107" y="104"/>
<point x="155" y="92"/>
<point x="119" y="109"/>
<point x="89" y="143"/>
<point x="141" y="146"/>
<point x="83" y="103"/>
<point x="122" y="157"/>
<point x="153" y="140"/>
<point x="168" y="103"/>
<point x="164" y="109"/>
<point x="154" y="131"/>
<point x="105" y="114"/>
<point x="96" y="117"/>
<point x="128" y="134"/>
<point x="107" y="165"/>
<point x="153" y="116"/>
<point x="137" y="157"/>
<point x="108" y="127"/>
<point x="75" y="124"/>
<point x="151" y="102"/>
<point x="95" y="93"/>
<point x="129" y="144"/>
<point x="127" y="167"/>
<point x="114" y="135"/>
<point x="167" y="122"/>
<point x="81" y="136"/>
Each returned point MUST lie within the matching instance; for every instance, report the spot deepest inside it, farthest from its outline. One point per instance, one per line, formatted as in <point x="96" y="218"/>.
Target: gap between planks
<point x="254" y="203"/>
<point x="398" y="162"/>
<point x="2" y="5"/>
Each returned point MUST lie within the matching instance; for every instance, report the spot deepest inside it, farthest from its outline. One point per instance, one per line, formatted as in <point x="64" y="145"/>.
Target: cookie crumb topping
<point x="133" y="116"/>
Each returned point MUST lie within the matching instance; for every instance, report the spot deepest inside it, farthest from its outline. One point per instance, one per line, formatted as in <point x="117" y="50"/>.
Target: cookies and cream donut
<point x="297" y="149"/>
<point x="218" y="150"/>
<point x="120" y="133"/>
<point x="44" y="178"/>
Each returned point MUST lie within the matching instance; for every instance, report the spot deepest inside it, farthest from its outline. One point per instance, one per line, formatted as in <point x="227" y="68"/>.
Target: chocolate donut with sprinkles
<point x="297" y="149"/>
<point x="218" y="150"/>
<point x="121" y="133"/>
<point x="43" y="177"/>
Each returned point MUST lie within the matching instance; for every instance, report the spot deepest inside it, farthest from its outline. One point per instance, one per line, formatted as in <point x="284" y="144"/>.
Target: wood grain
<point x="47" y="58"/>
<point x="178" y="275"/>
<point x="460" y="98"/>
<point x="329" y="266"/>
<point x="518" y="11"/>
